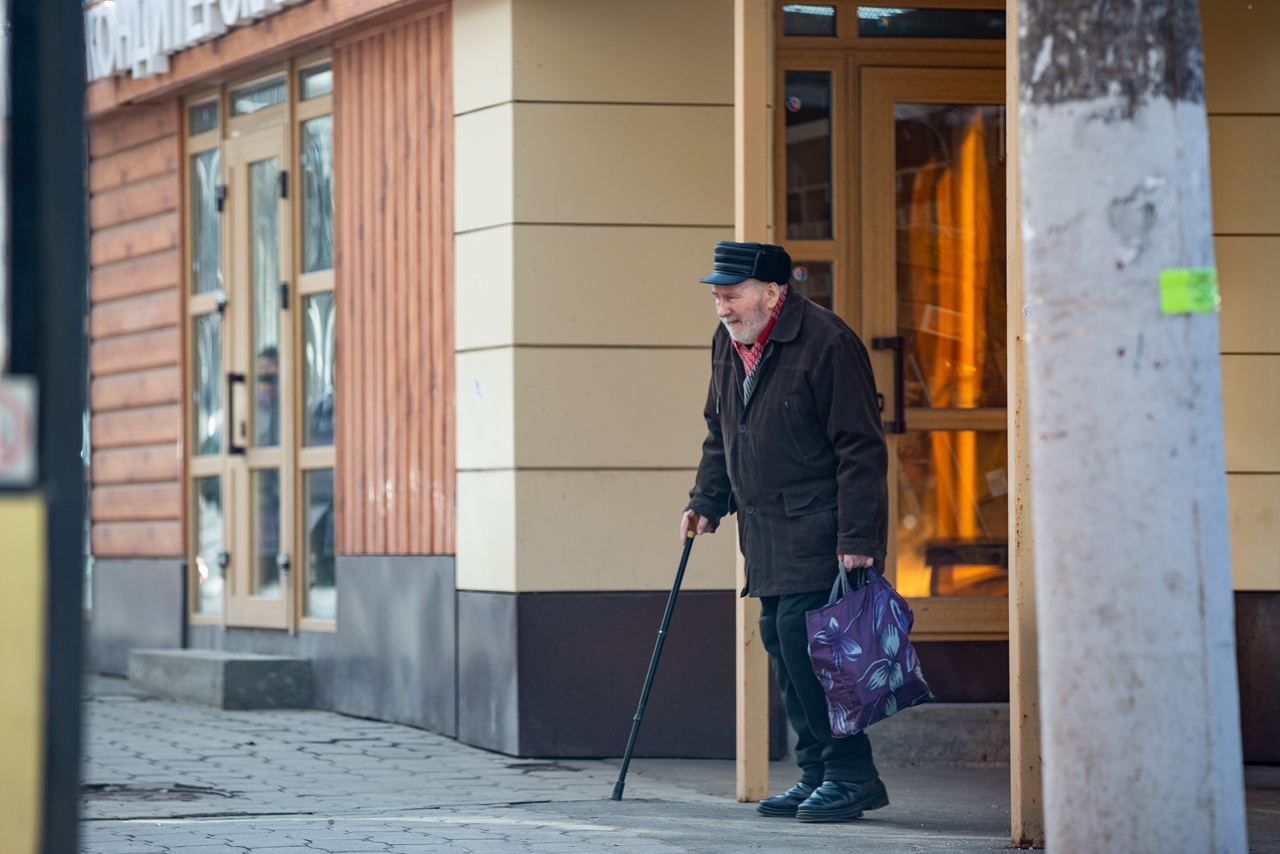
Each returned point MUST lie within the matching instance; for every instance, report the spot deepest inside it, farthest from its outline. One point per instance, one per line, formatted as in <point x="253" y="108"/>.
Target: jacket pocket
<point x="811" y="511"/>
<point x="802" y="425"/>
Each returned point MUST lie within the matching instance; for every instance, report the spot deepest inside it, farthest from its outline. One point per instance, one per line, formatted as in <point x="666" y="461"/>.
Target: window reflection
<point x="813" y="279"/>
<point x="266" y="533"/>
<point x="264" y="268"/>
<point x="317" y="194"/>
<point x="808" y="139"/>
<point x="321" y="599"/>
<point x="206" y="227"/>
<point x="207" y="384"/>
<point x="208" y="533"/>
<point x="807" y="19"/>
<point x="953" y="513"/>
<point x="317" y="380"/>
<point x="950" y="186"/>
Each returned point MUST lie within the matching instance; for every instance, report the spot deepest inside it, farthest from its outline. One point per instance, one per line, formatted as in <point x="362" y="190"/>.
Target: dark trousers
<point x="819" y="755"/>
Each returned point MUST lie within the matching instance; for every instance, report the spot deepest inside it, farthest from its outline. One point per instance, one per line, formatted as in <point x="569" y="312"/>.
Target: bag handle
<point x="843" y="588"/>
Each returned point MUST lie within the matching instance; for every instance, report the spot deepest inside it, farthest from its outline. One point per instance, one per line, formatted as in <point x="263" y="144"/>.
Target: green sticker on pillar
<point x="1189" y="290"/>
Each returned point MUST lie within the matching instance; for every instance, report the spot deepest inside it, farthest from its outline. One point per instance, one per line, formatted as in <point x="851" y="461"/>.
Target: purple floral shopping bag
<point x="860" y="653"/>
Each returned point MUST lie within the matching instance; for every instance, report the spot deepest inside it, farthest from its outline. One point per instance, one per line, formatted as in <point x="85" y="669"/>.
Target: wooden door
<point x="259" y="459"/>
<point x="933" y="312"/>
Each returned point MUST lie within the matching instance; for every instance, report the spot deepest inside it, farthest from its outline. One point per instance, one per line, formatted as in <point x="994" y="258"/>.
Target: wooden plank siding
<point x="394" y="283"/>
<point x="135" y="334"/>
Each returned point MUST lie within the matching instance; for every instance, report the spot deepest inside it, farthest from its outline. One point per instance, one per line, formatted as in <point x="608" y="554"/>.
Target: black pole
<point x="653" y="664"/>
<point x="48" y="263"/>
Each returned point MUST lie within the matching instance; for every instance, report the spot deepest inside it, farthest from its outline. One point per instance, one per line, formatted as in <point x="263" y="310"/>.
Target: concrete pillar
<point x="1141" y="738"/>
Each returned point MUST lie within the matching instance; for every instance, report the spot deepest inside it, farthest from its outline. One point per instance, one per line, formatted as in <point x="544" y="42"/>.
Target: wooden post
<point x="1026" y="813"/>
<point x="752" y="131"/>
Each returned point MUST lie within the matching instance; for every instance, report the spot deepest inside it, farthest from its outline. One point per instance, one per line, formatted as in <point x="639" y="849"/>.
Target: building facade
<point x="398" y="355"/>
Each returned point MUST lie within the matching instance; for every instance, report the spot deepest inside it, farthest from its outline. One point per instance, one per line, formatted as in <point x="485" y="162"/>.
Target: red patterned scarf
<point x="750" y="353"/>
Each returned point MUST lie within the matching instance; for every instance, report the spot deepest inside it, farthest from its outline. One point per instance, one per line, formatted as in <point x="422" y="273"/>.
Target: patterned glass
<point x="953" y="513"/>
<point x="317" y="377"/>
<point x="206" y="227"/>
<point x="321" y="600"/>
<point x="266" y="532"/>
<point x="206" y="384"/>
<point x="317" y="194"/>
<point x="264" y="271"/>
<point x="208" y="520"/>
<point x="808" y="140"/>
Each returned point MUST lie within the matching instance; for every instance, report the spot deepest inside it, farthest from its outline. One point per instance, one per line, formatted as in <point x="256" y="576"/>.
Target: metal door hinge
<point x="284" y="296"/>
<point x="220" y="196"/>
<point x="284" y="183"/>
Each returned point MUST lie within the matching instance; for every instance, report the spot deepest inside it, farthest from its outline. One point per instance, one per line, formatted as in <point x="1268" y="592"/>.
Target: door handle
<point x="898" y="344"/>
<point x="232" y="379"/>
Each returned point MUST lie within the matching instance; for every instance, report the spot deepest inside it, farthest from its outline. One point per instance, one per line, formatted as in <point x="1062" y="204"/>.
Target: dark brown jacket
<point x="803" y="463"/>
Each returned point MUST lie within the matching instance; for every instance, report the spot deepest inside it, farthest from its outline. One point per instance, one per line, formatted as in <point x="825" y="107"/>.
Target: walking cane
<point x="653" y="664"/>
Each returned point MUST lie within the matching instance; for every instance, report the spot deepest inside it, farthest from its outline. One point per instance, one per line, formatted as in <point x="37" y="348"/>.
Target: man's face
<point x="744" y="308"/>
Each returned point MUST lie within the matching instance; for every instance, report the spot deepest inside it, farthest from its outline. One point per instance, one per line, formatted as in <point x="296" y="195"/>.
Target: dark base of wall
<point x="316" y="646"/>
<point x="396" y="640"/>
<point x="560" y="674"/>
<point x="966" y="671"/>
<point x="137" y="604"/>
<point x="1257" y="651"/>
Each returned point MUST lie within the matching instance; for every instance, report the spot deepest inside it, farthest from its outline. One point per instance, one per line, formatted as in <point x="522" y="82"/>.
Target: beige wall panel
<point x="1255" y="531"/>
<point x="486" y="424"/>
<point x="623" y="533"/>
<point x="659" y="51"/>
<point x="572" y="281"/>
<point x="609" y="408"/>
<point x="487" y="530"/>
<point x="1241" y="56"/>
<point x="481" y="54"/>
<point x="1251" y="412"/>
<point x="483" y="168"/>
<point x="484" y="265"/>
<point x="1249" y="278"/>
<point x="622" y="164"/>
<point x="1244" y="161"/>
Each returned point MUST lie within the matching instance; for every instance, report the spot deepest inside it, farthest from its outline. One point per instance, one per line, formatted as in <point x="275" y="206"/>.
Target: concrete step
<point x="224" y="680"/>
<point x="944" y="734"/>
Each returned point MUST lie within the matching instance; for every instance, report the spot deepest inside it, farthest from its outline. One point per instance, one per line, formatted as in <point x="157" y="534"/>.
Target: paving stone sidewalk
<point x="164" y="777"/>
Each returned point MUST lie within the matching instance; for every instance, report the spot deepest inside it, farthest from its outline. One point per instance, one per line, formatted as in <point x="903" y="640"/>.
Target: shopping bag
<point x="860" y="653"/>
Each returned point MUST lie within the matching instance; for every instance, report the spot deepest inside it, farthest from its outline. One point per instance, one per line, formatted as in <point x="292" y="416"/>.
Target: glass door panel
<point x="264" y="272"/>
<point x="259" y="368"/>
<point x="933" y="238"/>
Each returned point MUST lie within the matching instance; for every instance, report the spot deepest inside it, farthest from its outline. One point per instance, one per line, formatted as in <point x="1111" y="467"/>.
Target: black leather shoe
<point x="784" y="805"/>
<point x="834" y="801"/>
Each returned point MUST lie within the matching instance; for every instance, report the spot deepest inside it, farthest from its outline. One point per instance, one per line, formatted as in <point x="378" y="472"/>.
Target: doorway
<point x="890" y="196"/>
<point x="259" y="265"/>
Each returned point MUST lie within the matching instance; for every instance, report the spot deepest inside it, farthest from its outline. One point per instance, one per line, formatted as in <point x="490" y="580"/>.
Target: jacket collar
<point x="787" y="326"/>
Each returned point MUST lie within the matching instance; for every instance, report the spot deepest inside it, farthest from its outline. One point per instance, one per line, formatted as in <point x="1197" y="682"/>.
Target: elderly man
<point x="795" y="447"/>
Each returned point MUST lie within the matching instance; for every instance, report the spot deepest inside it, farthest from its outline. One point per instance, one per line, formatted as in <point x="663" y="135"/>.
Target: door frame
<point x="847" y="58"/>
<point x="937" y="618"/>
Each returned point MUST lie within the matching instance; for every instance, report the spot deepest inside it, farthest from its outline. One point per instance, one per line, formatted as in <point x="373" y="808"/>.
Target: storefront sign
<point x="139" y="36"/>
